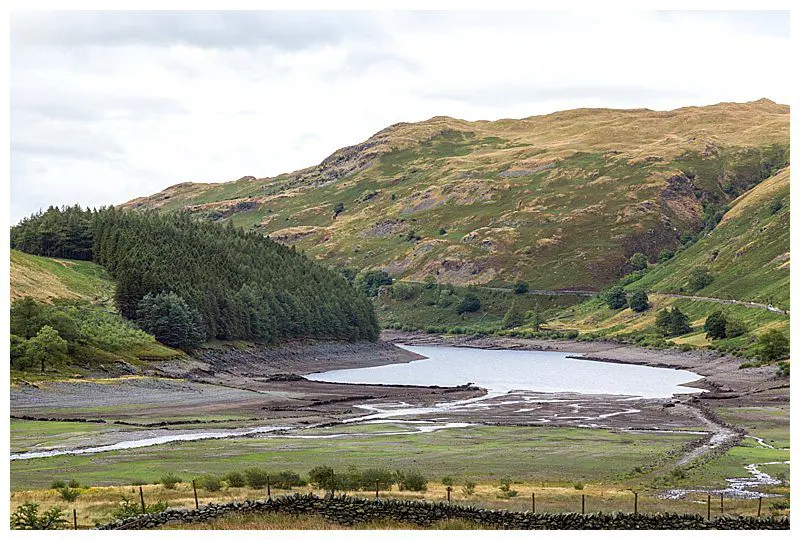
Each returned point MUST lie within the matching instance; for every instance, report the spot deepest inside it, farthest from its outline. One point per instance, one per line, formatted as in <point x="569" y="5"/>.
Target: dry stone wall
<point x="349" y="511"/>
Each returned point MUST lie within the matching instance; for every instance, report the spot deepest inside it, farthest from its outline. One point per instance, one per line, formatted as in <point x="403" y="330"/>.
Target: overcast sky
<point x="107" y="107"/>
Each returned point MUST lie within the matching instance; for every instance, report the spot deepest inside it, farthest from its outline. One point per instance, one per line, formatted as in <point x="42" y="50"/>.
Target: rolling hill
<point x="561" y="200"/>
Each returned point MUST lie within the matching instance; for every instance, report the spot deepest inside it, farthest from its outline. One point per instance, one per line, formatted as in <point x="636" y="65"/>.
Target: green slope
<point x="747" y="254"/>
<point x="560" y="200"/>
<point x="45" y="279"/>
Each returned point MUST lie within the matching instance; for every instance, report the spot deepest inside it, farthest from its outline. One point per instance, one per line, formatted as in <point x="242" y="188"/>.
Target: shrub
<point x="447" y="481"/>
<point x="639" y="301"/>
<point x="673" y="322"/>
<point x="235" y="479"/>
<point x="735" y="328"/>
<point x="615" y="297"/>
<point x="578" y="485"/>
<point x="74" y="483"/>
<point x="209" y="482"/>
<point x="638" y="261"/>
<point x="69" y="494"/>
<point x="772" y="345"/>
<point x="287" y="480"/>
<point x="323" y="477"/>
<point x="170" y="480"/>
<point x="699" y="278"/>
<point x="521" y="287"/>
<point x="58" y="484"/>
<point x="129" y="508"/>
<point x="469" y="304"/>
<point x="505" y="488"/>
<point x="783" y="369"/>
<point x="370" y="281"/>
<point x="775" y="206"/>
<point x="468" y="488"/>
<point x="665" y="255"/>
<point x="27" y="517"/>
<point x="413" y="481"/>
<point x="442" y="231"/>
<point x="401" y="291"/>
<point x="255" y="478"/>
<point x="383" y="477"/>
<point x="715" y="325"/>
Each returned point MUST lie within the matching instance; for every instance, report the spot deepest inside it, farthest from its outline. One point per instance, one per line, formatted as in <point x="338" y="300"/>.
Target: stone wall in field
<point x="349" y="510"/>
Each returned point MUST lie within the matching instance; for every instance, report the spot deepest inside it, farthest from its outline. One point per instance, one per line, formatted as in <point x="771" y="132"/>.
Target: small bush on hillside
<point x="58" y="484"/>
<point x="775" y="206"/>
<point x="772" y="345"/>
<point x="469" y="304"/>
<point x="735" y="328"/>
<point x="413" y="481"/>
<point x="665" y="255"/>
<point x="699" y="278"/>
<point x="639" y="301"/>
<point x="638" y="261"/>
<point x="783" y="369"/>
<point x="209" y="482"/>
<point x="615" y="297"/>
<point x="27" y="517"/>
<point x="256" y="478"/>
<point x="521" y="287"/>
<point x="468" y="488"/>
<point x="74" y="483"/>
<point x="578" y="485"/>
<point x="235" y="479"/>
<point x="170" y="480"/>
<point x="69" y="494"/>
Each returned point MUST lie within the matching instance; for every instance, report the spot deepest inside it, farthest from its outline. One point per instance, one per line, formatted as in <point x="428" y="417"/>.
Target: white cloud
<point x="107" y="107"/>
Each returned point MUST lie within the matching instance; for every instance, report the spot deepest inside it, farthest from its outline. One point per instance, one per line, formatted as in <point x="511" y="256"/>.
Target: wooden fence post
<point x="721" y="505"/>
<point x="708" y="507"/>
<point x="449" y="489"/>
<point x="759" y="507"/>
<point x="194" y="488"/>
<point x="635" y="503"/>
<point x="75" y="518"/>
<point x="269" y="490"/>
<point x="376" y="488"/>
<point x="141" y="496"/>
<point x="583" y="504"/>
<point x="533" y="503"/>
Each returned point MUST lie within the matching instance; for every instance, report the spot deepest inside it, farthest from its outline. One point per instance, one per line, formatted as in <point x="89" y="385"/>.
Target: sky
<point x="106" y="107"/>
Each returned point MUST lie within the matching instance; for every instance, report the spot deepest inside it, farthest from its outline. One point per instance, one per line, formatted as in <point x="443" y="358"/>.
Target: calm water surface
<point x="501" y="371"/>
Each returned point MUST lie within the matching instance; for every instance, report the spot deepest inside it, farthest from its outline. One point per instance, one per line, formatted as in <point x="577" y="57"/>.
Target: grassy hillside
<point x="76" y="297"/>
<point x="45" y="279"/>
<point x="747" y="254"/>
<point x="561" y="200"/>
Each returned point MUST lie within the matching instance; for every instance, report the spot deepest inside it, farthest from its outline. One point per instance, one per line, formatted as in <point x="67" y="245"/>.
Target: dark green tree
<point x="615" y="297"/>
<point x="673" y="322"/>
<point x="469" y="304"/>
<point x="715" y="325"/>
<point x="167" y="316"/>
<point x="772" y="345"/>
<point x="639" y="301"/>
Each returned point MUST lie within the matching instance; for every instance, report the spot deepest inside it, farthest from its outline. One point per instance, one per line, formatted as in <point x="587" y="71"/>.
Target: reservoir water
<point x="502" y="371"/>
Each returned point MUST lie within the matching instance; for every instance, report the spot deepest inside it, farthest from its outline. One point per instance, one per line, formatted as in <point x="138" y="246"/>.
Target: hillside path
<point x="720" y="434"/>
<point x="563" y="292"/>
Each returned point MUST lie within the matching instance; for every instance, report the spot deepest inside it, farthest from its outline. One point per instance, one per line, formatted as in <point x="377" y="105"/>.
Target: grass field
<point x="557" y="456"/>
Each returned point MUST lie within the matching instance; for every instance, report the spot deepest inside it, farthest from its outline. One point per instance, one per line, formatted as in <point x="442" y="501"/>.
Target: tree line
<point x="187" y="281"/>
